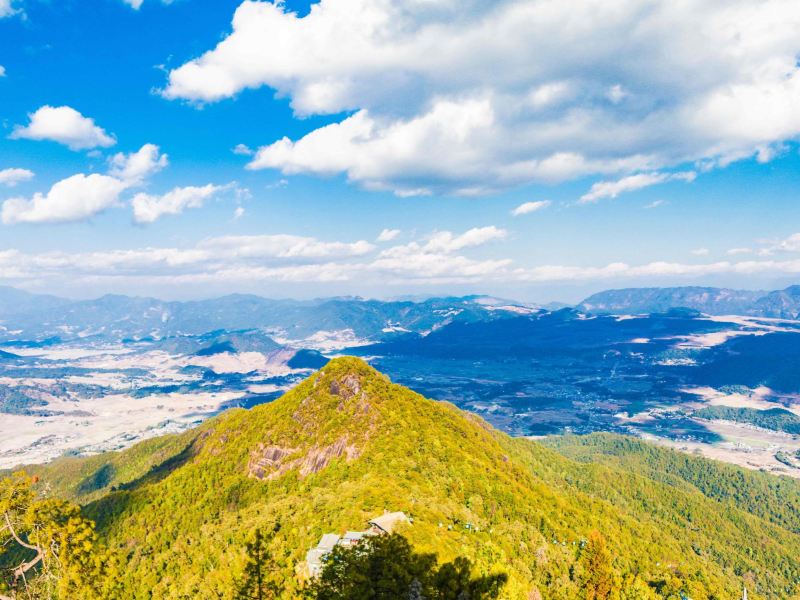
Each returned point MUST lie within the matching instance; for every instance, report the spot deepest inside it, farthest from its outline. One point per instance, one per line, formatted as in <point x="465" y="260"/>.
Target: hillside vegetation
<point x="346" y="445"/>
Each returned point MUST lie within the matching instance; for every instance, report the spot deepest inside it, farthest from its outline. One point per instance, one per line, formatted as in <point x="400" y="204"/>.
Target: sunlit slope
<point x="347" y="444"/>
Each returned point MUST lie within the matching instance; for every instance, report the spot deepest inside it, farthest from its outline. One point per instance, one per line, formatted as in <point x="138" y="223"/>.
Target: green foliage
<point x="346" y="444"/>
<point x="259" y="578"/>
<point x="776" y="419"/>
<point x="53" y="550"/>
<point x="386" y="568"/>
<point x="598" y="573"/>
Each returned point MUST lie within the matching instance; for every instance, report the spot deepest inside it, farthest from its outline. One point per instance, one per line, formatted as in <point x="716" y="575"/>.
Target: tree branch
<point x="25" y="566"/>
<point x="17" y="538"/>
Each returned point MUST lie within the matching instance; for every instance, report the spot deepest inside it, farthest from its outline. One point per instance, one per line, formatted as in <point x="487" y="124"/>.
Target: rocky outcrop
<point x="266" y="460"/>
<point x="346" y="387"/>
<point x="270" y="462"/>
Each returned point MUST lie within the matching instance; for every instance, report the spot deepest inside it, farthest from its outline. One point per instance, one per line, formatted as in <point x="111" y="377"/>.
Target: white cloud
<point x="148" y="208"/>
<point x="739" y="251"/>
<point x="137" y="4"/>
<point x="284" y="246"/>
<point x="789" y="244"/>
<point x="64" y="125"/>
<point x="660" y="269"/>
<point x="81" y="196"/>
<point x="238" y="213"/>
<point x="2" y="71"/>
<point x="387" y="235"/>
<point x="12" y="177"/>
<point x="612" y="189"/>
<point x="437" y="259"/>
<point x="530" y="207"/>
<point x="431" y="111"/>
<point x="655" y="204"/>
<point x="243" y="150"/>
<point x="7" y="8"/>
<point x="701" y="251"/>
<point x="550" y="94"/>
<point x="616" y="94"/>
<point x="447" y="241"/>
<point x="292" y="258"/>
<point x="137" y="166"/>
<point x="72" y="199"/>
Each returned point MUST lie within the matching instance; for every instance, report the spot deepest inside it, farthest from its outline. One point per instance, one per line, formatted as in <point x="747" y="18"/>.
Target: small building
<point x="388" y="522"/>
<point x="352" y="538"/>
<point x="385" y="524"/>
<point x="315" y="558"/>
<point x="328" y="542"/>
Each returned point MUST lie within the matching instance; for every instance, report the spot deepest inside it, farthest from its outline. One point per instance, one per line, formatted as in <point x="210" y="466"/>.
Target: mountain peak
<point x="331" y="415"/>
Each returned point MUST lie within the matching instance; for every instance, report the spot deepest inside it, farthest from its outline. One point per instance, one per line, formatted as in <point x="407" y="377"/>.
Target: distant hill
<point x="347" y="444"/>
<point x="115" y="317"/>
<point x="14" y="301"/>
<point x="782" y="304"/>
<point x="712" y="301"/>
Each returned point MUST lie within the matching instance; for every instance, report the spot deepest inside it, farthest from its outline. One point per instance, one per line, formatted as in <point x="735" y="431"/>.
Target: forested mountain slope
<point x="347" y="444"/>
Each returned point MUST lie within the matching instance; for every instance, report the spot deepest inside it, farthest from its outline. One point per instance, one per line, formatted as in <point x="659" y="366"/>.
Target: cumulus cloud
<point x="739" y="251"/>
<point x="82" y="196"/>
<point x="612" y="189"/>
<point x="701" y="251"/>
<point x="64" y="125"/>
<point x="530" y="207"/>
<point x="438" y="259"/>
<point x="148" y="208"/>
<point x="2" y="71"/>
<point x="572" y="99"/>
<point x="137" y="166"/>
<point x="11" y="177"/>
<point x="72" y="199"/>
<point x="387" y="235"/>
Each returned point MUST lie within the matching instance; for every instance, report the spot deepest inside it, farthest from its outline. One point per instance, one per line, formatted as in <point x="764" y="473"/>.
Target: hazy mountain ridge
<point x="115" y="317"/>
<point x="780" y="304"/>
<point x="26" y="316"/>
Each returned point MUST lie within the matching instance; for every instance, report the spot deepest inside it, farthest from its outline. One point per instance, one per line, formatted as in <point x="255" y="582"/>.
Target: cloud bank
<point x="469" y="97"/>
<point x="442" y="257"/>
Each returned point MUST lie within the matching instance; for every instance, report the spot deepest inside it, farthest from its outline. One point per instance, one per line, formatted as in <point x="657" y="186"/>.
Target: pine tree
<point x="259" y="574"/>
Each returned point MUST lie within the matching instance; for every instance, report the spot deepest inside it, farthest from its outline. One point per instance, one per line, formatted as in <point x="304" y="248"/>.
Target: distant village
<point x="385" y="524"/>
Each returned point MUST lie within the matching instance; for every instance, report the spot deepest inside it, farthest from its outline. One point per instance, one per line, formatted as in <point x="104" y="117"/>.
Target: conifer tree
<point x="259" y="574"/>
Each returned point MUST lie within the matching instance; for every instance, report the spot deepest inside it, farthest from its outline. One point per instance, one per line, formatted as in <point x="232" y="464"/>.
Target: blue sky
<point x="653" y="145"/>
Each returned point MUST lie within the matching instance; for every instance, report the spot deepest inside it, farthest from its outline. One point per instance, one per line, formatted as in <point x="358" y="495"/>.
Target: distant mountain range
<point x="780" y="304"/>
<point x="31" y="316"/>
<point x="339" y="322"/>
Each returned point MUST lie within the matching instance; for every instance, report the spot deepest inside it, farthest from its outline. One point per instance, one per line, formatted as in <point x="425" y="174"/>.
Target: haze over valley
<point x="82" y="377"/>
